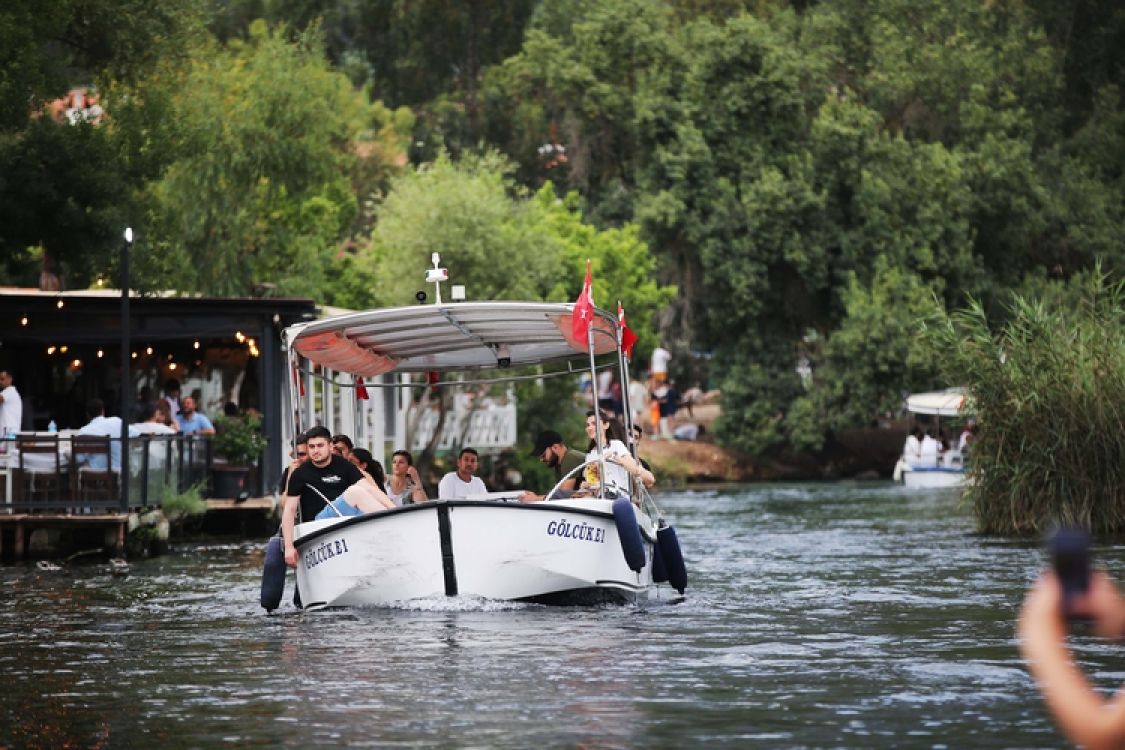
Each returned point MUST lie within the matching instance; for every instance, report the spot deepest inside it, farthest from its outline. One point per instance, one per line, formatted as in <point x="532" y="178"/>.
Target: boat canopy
<point x="946" y="403"/>
<point x="448" y="337"/>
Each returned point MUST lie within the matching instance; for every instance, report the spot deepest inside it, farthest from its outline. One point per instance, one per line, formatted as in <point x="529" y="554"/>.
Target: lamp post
<point x="126" y="380"/>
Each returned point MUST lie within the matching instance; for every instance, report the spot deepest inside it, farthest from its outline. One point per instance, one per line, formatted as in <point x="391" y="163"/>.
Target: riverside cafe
<point x="63" y="349"/>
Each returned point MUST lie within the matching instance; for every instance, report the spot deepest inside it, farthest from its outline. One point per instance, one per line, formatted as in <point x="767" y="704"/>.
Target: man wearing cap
<point x="550" y="450"/>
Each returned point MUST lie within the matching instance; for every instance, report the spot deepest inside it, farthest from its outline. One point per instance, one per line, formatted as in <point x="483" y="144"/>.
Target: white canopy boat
<point x="947" y="470"/>
<point x="555" y="551"/>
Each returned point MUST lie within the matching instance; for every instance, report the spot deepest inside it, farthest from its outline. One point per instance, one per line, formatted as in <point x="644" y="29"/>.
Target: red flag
<point x="300" y="381"/>
<point x="628" y="338"/>
<point x="360" y="391"/>
<point x="583" y="316"/>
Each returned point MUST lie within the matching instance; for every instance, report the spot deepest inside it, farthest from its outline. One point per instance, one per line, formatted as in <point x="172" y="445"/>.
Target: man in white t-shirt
<point x="660" y="359"/>
<point x="11" y="406"/>
<point x="462" y="483"/>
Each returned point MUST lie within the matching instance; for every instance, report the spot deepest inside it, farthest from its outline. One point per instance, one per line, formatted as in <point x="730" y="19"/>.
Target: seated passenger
<point x="366" y="463"/>
<point x="549" y="448"/>
<point x="462" y="483"/>
<point x="619" y="463"/>
<point x="404" y="486"/>
<point x="912" y="451"/>
<point x="931" y="449"/>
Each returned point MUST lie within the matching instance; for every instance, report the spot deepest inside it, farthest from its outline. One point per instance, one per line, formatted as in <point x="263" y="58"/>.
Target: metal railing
<point x="40" y="473"/>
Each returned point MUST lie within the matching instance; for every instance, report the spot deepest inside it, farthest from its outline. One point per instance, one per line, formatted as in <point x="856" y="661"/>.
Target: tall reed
<point x="1048" y="389"/>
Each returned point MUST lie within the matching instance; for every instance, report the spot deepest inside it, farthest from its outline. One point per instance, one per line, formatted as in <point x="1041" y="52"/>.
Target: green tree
<point x="484" y="227"/>
<point x="260" y="191"/>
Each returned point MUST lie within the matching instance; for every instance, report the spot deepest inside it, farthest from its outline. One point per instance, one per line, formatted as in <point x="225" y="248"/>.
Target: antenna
<point x="436" y="275"/>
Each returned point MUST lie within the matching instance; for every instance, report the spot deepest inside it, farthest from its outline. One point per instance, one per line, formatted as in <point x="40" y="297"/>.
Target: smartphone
<point x="1070" y="555"/>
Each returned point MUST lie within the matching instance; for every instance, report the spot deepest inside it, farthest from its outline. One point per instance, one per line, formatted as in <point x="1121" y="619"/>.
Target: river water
<point x="828" y="615"/>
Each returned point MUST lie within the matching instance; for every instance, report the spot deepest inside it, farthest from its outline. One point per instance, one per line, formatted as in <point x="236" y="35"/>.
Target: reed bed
<point x="1048" y="390"/>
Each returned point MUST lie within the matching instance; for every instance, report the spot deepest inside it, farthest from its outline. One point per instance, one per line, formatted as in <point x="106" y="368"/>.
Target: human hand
<point x="1044" y="612"/>
<point x="528" y="497"/>
<point x="291" y="556"/>
<point x="413" y="474"/>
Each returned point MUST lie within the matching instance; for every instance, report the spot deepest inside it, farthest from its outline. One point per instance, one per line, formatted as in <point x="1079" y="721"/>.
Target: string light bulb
<point x="196" y="344"/>
<point x="23" y="320"/>
<point x="148" y="351"/>
<point x="59" y="304"/>
<point x="100" y="354"/>
<point x="63" y="349"/>
<point x="50" y="350"/>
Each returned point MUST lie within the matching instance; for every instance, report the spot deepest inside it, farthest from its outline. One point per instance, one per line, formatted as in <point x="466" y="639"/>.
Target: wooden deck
<point x="25" y="523"/>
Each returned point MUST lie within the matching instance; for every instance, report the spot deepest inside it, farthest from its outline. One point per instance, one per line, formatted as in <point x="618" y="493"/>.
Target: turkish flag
<point x="628" y="338"/>
<point x="583" y="316"/>
<point x="298" y="380"/>
<point x="360" y="391"/>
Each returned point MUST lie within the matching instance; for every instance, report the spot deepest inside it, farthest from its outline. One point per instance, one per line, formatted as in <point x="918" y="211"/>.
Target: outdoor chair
<point x="86" y="479"/>
<point x="39" y="470"/>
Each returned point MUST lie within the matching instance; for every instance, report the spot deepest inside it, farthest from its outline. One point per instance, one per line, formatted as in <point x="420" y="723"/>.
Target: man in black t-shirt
<point x="313" y="484"/>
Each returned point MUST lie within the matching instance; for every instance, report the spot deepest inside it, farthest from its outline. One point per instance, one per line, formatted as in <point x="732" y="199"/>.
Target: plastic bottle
<point x="52" y="427"/>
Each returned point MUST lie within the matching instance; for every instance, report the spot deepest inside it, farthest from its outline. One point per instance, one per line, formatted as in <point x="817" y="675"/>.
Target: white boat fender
<point x="898" y="471"/>
<point x="630" y="534"/>
<point x="659" y="574"/>
<point x="273" y="574"/>
<point x="672" y="557"/>
<point x="47" y="566"/>
<point x="118" y="566"/>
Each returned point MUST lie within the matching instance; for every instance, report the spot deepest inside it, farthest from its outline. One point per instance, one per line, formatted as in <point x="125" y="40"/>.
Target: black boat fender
<point x="273" y="574"/>
<point x="672" y="557"/>
<point x="659" y="574"/>
<point x="630" y="534"/>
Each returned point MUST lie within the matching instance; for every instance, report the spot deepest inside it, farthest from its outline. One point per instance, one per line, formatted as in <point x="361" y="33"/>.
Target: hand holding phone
<point x="1070" y="556"/>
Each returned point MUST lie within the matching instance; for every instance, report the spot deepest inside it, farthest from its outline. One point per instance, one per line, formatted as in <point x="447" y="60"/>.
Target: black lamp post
<point x="126" y="380"/>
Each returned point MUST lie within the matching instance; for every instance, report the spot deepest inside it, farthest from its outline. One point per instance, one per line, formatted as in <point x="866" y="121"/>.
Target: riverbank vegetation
<point x="779" y="185"/>
<point x="1048" y="385"/>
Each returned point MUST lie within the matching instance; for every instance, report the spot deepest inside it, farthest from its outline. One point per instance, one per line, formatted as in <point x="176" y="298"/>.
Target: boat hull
<point x="933" y="478"/>
<point x="553" y="552"/>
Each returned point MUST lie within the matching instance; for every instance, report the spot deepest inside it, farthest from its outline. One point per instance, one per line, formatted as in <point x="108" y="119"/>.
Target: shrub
<point x="1048" y="389"/>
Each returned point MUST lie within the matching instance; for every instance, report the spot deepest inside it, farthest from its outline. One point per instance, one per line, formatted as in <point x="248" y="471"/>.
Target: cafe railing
<point x="45" y="477"/>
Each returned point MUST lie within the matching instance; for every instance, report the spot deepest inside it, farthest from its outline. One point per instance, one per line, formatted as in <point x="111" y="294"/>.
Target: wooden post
<point x="120" y="538"/>
<point x="19" y="540"/>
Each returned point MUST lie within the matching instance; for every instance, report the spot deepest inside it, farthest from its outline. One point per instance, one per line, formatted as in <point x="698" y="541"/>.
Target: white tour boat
<point x="492" y="546"/>
<point x="947" y="470"/>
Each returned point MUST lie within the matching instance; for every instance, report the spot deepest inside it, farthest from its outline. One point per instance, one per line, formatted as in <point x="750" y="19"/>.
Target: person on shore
<point x="638" y="401"/>
<point x="619" y="463"/>
<point x="193" y="422"/>
<point x="103" y="426"/>
<point x="404" y="486"/>
<point x="462" y="483"/>
<point x="550" y="449"/>
<point x="1084" y="715"/>
<point x="692" y="397"/>
<point x="659" y="365"/>
<point x="164" y="413"/>
<point x="172" y="396"/>
<point x="152" y="422"/>
<point x="669" y="405"/>
<point x="11" y="406"/>
<point x="315" y="483"/>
